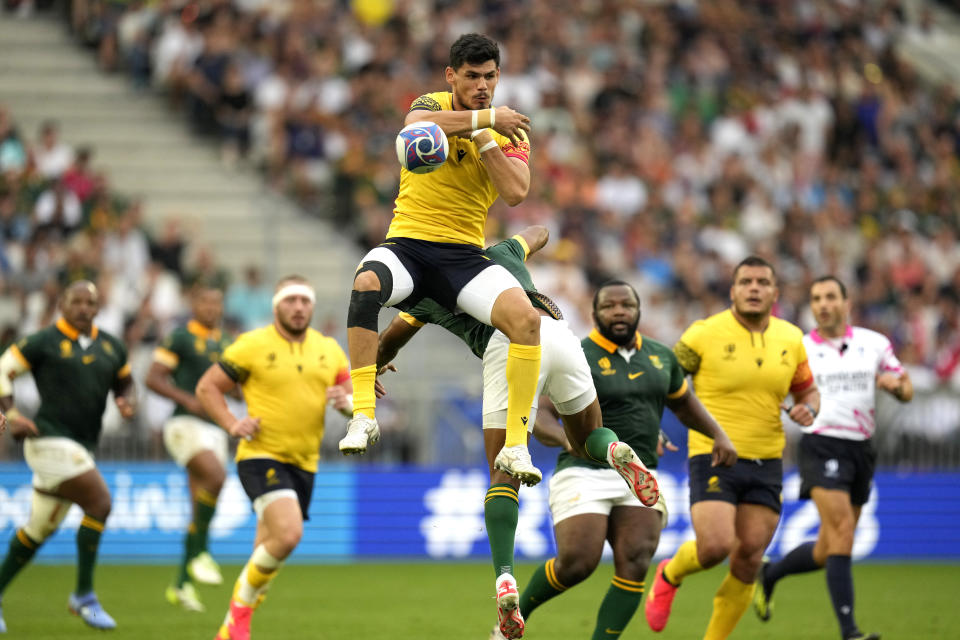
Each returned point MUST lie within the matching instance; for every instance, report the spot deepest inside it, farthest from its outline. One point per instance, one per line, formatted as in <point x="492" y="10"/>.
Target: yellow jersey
<point x="449" y="204"/>
<point x="742" y="376"/>
<point x="285" y="385"/>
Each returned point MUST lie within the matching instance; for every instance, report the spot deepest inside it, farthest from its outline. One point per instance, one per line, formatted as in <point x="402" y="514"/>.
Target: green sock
<point x="198" y="532"/>
<point x="542" y="586"/>
<point x="501" y="510"/>
<point x="88" y="542"/>
<point x="22" y="548"/>
<point x="618" y="606"/>
<point x="598" y="442"/>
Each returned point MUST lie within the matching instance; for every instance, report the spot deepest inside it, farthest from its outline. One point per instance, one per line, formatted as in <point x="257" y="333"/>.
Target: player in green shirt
<point x="75" y="367"/>
<point x="635" y="378"/>
<point x="191" y="439"/>
<point x="564" y="377"/>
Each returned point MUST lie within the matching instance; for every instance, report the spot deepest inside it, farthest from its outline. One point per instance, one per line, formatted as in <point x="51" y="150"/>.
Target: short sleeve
<point x="678" y="377"/>
<point x="519" y="150"/>
<point x="425" y="103"/>
<point x="167" y="352"/>
<point x="888" y="361"/>
<point x="123" y="366"/>
<point x="237" y="359"/>
<point x="802" y="377"/>
<point x="29" y="351"/>
<point x="689" y="349"/>
<point x="342" y="362"/>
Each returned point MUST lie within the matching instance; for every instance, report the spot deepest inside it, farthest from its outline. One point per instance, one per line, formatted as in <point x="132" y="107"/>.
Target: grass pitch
<point x="433" y="600"/>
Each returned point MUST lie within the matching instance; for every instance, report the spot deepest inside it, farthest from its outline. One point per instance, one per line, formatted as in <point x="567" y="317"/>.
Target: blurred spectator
<point x="168" y="248"/>
<point x="79" y="178"/>
<point x="13" y="153"/>
<point x="51" y="156"/>
<point x="57" y="211"/>
<point x="248" y="303"/>
<point x="205" y="269"/>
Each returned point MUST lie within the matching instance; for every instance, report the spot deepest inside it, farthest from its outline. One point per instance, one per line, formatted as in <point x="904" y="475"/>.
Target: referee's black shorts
<point x="836" y="463"/>
<point x="748" y="481"/>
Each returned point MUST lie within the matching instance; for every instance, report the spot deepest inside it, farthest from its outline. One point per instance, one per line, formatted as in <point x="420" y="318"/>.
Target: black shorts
<point x="263" y="475"/>
<point x="440" y="270"/>
<point x="747" y="481"/>
<point x="835" y="463"/>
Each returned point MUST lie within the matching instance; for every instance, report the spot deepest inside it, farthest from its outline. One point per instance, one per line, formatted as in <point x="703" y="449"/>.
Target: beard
<point x="291" y="328"/>
<point x="621" y="336"/>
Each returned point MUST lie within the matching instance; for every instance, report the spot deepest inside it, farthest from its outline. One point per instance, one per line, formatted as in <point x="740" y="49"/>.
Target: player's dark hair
<point x="614" y="283"/>
<point x="754" y="261"/>
<point x="832" y="278"/>
<point x="473" y="48"/>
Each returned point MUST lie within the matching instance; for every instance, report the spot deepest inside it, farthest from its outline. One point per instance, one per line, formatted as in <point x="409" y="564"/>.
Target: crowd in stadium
<point x="668" y="142"/>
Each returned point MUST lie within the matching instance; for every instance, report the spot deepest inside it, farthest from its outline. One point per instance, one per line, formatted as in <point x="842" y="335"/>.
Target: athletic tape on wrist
<point x="295" y="289"/>
<point x="488" y="146"/>
<point x="474" y="120"/>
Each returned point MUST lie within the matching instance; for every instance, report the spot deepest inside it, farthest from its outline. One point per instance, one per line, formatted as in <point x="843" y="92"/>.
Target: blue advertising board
<point x="413" y="513"/>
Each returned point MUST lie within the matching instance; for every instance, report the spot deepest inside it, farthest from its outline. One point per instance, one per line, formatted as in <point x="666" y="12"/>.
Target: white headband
<point x="294" y="289"/>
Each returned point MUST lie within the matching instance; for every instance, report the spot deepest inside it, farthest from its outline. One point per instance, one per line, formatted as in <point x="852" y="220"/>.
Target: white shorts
<point x="576" y="491"/>
<point x="186" y="436"/>
<point x="564" y="374"/>
<point x="54" y="460"/>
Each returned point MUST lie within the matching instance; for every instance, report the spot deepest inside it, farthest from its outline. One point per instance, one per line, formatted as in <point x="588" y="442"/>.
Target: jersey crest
<point x="605" y="369"/>
<point x="66" y="349"/>
<point x="655" y="360"/>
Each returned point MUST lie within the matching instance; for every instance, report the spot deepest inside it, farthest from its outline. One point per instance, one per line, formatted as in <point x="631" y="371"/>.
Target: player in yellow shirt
<point x="434" y="247"/>
<point x="744" y="364"/>
<point x="287" y="371"/>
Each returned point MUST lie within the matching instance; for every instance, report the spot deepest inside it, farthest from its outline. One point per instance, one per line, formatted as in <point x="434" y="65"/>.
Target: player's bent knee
<point x="712" y="553"/>
<point x="46" y="514"/>
<point x="573" y="568"/>
<point x="366" y="280"/>
<point x="289" y="539"/>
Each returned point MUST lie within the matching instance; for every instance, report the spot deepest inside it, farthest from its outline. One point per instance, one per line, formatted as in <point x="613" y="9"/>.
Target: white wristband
<point x="488" y="146"/>
<point x="476" y="132"/>
<point x="473" y="119"/>
<point x="493" y="117"/>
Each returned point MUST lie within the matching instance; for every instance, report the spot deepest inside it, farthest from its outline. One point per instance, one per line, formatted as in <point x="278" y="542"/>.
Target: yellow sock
<point x="364" y="398"/>
<point x="732" y="599"/>
<point x="523" y="373"/>
<point x="253" y="580"/>
<point x="683" y="563"/>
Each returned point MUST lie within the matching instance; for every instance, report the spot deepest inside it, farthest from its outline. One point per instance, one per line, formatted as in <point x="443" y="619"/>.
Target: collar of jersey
<point x="819" y="339"/>
<point x="201" y="331"/>
<point x="609" y="345"/>
<point x="72" y="332"/>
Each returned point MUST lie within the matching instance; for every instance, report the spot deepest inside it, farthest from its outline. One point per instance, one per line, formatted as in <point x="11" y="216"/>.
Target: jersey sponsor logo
<point x="634" y="376"/>
<point x="656" y="361"/>
<point x="729" y="352"/>
<point x="785" y="358"/>
<point x="605" y="369"/>
<point x="713" y="485"/>
<point x="66" y="349"/>
<point x="460" y="154"/>
<point x="272" y="477"/>
<point x="88" y="359"/>
<point x="271" y="360"/>
<point x="759" y="362"/>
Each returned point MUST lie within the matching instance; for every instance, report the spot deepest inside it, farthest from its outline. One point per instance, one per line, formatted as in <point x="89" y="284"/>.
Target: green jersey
<point x="510" y="254"/>
<point x="188" y="352"/>
<point x="632" y="393"/>
<point x="73" y="381"/>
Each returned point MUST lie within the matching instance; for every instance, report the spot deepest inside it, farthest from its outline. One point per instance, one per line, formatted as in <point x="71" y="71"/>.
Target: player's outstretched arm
<point x="691" y="412"/>
<point x="394" y="337"/>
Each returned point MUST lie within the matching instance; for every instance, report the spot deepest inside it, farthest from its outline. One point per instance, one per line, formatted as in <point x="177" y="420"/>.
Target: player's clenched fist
<point x="511" y="124"/>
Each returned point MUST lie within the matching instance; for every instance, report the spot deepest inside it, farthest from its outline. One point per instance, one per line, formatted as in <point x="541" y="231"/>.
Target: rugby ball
<point x="422" y="147"/>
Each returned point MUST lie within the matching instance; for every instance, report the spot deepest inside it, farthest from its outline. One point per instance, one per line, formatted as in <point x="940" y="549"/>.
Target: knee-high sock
<point x="542" y="586"/>
<point x="88" y="543"/>
<point x="255" y="577"/>
<point x="800" y="560"/>
<point x="618" y="606"/>
<point x="840" y="585"/>
<point x="598" y="443"/>
<point x="204" y="507"/>
<point x="683" y="563"/>
<point x="364" y="397"/>
<point x="22" y="550"/>
<point x="523" y="373"/>
<point x="732" y="599"/>
<point x="501" y="511"/>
